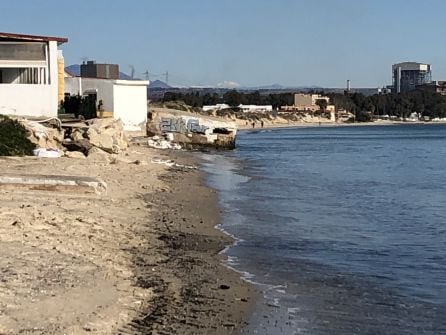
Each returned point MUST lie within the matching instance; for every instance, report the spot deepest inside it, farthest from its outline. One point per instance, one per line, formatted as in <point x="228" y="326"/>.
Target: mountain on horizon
<point x="159" y="84"/>
<point x="75" y="70"/>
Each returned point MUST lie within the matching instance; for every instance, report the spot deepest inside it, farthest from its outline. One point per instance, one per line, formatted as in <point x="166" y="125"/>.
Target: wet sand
<point x="142" y="259"/>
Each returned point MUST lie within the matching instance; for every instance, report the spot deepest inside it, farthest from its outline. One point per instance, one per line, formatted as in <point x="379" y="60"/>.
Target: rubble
<point x="96" y="138"/>
<point x="46" y="153"/>
<point x="45" y="134"/>
<point x="162" y="143"/>
<point x="107" y="134"/>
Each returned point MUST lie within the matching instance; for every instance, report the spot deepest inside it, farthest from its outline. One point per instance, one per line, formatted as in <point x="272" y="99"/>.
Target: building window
<point x="13" y="51"/>
<point x="30" y="76"/>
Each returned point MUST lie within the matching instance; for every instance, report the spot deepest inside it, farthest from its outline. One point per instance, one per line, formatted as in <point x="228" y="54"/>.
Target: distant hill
<point x="75" y="70"/>
<point x="159" y="84"/>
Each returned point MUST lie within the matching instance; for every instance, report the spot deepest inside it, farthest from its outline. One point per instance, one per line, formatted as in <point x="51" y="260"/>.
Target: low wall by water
<point x="192" y="130"/>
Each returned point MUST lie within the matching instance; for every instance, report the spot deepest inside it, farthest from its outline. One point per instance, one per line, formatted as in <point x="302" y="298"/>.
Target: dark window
<point x="22" y="51"/>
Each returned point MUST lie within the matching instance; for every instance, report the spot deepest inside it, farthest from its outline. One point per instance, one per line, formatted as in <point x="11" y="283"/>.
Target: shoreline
<point x="269" y="126"/>
<point x="216" y="299"/>
<point x="143" y="258"/>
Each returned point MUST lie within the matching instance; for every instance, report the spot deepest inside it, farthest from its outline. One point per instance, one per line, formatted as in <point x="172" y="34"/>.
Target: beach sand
<point x="140" y="259"/>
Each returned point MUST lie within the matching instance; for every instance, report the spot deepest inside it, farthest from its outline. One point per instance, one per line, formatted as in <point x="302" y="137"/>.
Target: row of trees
<point x="233" y="98"/>
<point x="401" y="105"/>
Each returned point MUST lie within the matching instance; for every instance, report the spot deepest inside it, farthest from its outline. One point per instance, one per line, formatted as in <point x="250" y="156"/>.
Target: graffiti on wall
<point x="193" y="125"/>
<point x="175" y="125"/>
<point x="179" y="125"/>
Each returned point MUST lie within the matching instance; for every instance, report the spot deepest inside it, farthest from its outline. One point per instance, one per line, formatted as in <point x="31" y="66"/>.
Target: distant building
<point x="408" y="75"/>
<point x="243" y="108"/>
<point x="308" y="102"/>
<point x="31" y="74"/>
<point x="216" y="107"/>
<point x="91" y="69"/>
<point x="437" y="86"/>
<point x="256" y="108"/>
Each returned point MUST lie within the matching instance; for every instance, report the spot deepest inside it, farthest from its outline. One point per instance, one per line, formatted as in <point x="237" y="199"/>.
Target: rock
<point x="77" y="135"/>
<point x="82" y="145"/>
<point x="107" y="134"/>
<point x="98" y="155"/>
<point x="102" y="141"/>
<point x="75" y="154"/>
<point x="46" y="137"/>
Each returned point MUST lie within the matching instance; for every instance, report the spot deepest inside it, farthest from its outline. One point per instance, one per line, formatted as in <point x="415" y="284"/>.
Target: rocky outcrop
<point x="192" y="131"/>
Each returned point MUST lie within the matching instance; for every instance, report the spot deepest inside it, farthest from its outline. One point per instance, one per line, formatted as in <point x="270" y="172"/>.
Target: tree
<point x="322" y="103"/>
<point x="233" y="98"/>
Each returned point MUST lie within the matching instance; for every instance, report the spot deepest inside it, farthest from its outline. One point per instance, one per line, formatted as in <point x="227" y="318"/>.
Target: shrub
<point x="13" y="138"/>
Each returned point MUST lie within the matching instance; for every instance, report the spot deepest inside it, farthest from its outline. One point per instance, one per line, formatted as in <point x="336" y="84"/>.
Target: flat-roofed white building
<point x="30" y="75"/>
<point x="123" y="99"/>
<point x="256" y="108"/>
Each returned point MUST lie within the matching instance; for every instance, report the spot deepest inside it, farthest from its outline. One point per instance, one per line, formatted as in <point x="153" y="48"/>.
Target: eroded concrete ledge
<point x="52" y="183"/>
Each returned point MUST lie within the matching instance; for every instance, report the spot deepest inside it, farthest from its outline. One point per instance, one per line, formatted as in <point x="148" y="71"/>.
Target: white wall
<point x="130" y="103"/>
<point x="27" y="100"/>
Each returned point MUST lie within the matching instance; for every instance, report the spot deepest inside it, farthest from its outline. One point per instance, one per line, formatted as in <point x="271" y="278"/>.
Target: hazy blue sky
<point x="251" y="42"/>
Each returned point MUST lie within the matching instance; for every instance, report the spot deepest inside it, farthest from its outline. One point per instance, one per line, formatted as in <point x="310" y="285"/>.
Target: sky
<point x="243" y="42"/>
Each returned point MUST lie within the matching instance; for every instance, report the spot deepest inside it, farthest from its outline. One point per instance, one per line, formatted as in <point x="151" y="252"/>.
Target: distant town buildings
<point x="309" y="102"/>
<point x="408" y="75"/>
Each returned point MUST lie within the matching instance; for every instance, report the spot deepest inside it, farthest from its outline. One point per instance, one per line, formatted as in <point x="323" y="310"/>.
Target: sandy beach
<point x="140" y="259"/>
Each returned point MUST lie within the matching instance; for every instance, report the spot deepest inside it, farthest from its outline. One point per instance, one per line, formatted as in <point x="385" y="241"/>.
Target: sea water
<point x="343" y="229"/>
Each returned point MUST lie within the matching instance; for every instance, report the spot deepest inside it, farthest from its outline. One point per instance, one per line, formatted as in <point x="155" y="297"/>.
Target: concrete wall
<point x="130" y="104"/>
<point x="192" y="129"/>
<point x="27" y="100"/>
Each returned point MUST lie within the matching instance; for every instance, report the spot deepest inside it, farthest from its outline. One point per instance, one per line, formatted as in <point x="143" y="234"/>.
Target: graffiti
<point x="172" y="125"/>
<point x="178" y="125"/>
<point x="193" y="125"/>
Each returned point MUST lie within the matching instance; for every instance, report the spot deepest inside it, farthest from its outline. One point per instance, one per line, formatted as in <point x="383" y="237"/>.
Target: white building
<point x="124" y="99"/>
<point x="29" y="75"/>
<point x="216" y="107"/>
<point x="243" y="108"/>
<point x="256" y="108"/>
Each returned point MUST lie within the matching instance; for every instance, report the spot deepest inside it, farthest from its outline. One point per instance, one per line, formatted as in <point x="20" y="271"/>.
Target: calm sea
<point x="344" y="229"/>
